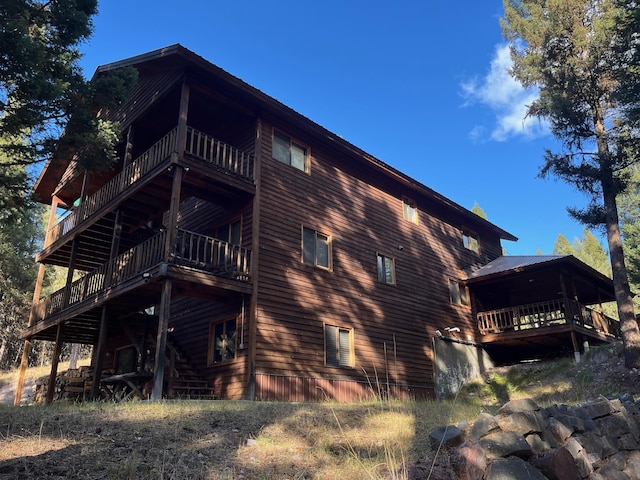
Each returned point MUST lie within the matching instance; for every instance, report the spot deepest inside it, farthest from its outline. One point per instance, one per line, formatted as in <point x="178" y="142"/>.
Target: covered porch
<point x="540" y="306"/>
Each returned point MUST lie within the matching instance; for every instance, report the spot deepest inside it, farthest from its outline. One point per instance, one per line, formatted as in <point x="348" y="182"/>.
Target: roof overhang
<point x="547" y="272"/>
<point x="176" y="56"/>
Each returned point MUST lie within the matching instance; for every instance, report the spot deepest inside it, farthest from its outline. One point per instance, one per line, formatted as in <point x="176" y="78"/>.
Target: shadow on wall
<point x="456" y="363"/>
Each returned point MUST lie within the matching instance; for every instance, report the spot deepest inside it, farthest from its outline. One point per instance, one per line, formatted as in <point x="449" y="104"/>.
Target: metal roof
<point x="514" y="263"/>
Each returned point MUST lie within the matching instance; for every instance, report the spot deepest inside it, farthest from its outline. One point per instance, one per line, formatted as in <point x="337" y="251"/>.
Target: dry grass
<point x="219" y="440"/>
<point x="262" y="440"/>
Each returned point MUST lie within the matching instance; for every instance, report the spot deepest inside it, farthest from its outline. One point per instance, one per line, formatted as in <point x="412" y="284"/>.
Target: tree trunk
<point x="624" y="300"/>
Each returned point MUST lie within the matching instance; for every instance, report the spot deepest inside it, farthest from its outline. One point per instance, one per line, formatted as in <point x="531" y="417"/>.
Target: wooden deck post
<point x="51" y="387"/>
<point x="24" y="362"/>
<point x="576" y="348"/>
<point x="99" y="353"/>
<point x="161" y="340"/>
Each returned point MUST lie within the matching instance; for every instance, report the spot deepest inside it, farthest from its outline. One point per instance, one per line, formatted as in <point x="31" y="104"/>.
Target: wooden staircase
<point x="183" y="381"/>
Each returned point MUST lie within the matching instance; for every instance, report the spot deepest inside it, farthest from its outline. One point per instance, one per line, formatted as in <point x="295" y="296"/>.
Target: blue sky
<point x="421" y="85"/>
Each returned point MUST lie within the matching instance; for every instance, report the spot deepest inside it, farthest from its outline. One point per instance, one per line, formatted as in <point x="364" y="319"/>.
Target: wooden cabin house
<point x="241" y="250"/>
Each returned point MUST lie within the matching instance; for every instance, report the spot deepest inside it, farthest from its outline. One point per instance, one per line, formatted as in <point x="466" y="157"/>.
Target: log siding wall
<point x="393" y="324"/>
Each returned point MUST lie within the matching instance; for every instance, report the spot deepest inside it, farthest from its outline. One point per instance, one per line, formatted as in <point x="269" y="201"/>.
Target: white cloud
<point x="506" y="99"/>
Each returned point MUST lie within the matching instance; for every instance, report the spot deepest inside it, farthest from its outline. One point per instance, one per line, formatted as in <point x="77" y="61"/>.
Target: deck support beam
<point x="161" y="340"/>
<point x="576" y="348"/>
<point x="24" y="362"/>
<point x="99" y="353"/>
<point x="51" y="387"/>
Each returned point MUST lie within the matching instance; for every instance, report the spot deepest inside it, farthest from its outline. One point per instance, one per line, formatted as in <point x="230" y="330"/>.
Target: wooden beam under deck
<point x="550" y="336"/>
<point x="130" y="296"/>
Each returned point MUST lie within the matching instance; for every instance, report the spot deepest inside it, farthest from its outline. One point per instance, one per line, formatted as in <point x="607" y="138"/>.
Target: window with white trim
<point x="287" y="151"/>
<point x="338" y="346"/>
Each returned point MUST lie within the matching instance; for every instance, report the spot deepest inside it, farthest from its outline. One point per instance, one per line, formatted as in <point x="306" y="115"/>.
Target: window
<point x="126" y="360"/>
<point x="386" y="270"/>
<point x="459" y="293"/>
<point x="316" y="248"/>
<point x="409" y="210"/>
<point x="287" y="151"/>
<point x="470" y="241"/>
<point x="222" y="341"/>
<point x="338" y="346"/>
<point x="230" y="232"/>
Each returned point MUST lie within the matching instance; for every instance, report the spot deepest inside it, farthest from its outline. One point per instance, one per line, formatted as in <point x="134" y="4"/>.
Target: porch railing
<point x="212" y="255"/>
<point x="219" y="154"/>
<point x="191" y="249"/>
<point x="199" y="145"/>
<point x="115" y="272"/>
<point x="541" y="314"/>
<point x="117" y="185"/>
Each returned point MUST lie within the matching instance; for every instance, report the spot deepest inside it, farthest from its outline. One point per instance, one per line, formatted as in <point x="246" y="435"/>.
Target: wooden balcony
<point x="200" y="146"/>
<point x="556" y="312"/>
<point x="137" y="170"/>
<point x="192" y="250"/>
<point x="212" y="255"/>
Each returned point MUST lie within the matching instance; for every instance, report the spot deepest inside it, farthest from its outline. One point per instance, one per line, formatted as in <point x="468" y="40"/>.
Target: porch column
<point x="27" y="343"/>
<point x="54" y="364"/>
<point x="576" y="348"/>
<point x="568" y="305"/>
<point x="161" y="340"/>
<point x="24" y="362"/>
<point x="165" y="300"/>
<point x="99" y="353"/>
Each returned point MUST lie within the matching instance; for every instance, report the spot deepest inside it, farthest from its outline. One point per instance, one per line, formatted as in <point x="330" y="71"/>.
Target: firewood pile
<point x="72" y="385"/>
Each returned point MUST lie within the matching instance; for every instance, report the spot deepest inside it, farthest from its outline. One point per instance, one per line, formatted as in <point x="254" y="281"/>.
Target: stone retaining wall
<point x="595" y="441"/>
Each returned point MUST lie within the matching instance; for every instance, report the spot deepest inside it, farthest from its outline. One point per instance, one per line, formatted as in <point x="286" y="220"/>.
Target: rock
<point x="557" y="465"/>
<point x="523" y="423"/>
<point x="580" y="456"/>
<point x="447" y="437"/>
<point x="573" y="423"/>
<point x="470" y="461"/>
<point x="632" y="468"/>
<point x="594" y="410"/>
<point x="538" y="445"/>
<point x="513" y="468"/>
<point x="518" y="405"/>
<point x="504" y="444"/>
<point x="556" y="432"/>
<point x="484" y="424"/>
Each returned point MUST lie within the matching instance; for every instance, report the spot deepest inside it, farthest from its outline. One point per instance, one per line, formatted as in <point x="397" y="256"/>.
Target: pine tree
<point x="43" y="91"/>
<point x="569" y="50"/>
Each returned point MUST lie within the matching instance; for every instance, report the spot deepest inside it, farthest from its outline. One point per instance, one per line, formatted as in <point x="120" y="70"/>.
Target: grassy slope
<point x="261" y="440"/>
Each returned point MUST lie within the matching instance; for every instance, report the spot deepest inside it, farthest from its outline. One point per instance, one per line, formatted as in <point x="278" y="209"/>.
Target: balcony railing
<point x="191" y="249"/>
<point x="219" y="154"/>
<point x="212" y="255"/>
<point x="115" y="272"/>
<point x="116" y="186"/>
<point x="542" y="314"/>
<point x="199" y="145"/>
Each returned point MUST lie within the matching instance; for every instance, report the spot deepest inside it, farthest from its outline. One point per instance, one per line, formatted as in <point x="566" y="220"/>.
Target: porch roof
<point x="541" y="276"/>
